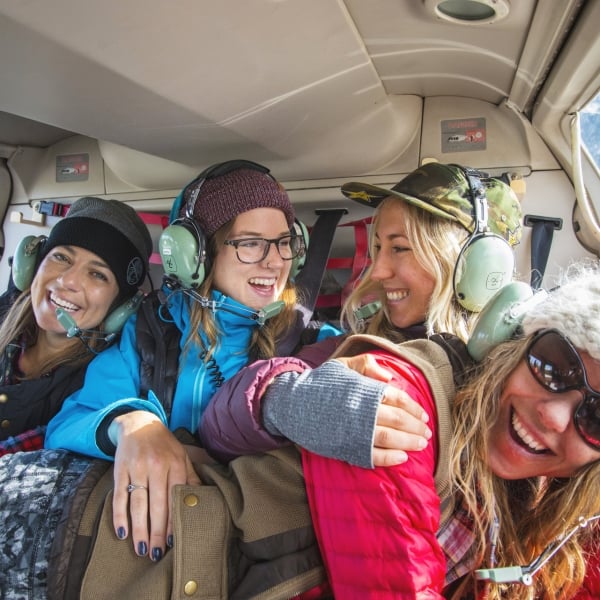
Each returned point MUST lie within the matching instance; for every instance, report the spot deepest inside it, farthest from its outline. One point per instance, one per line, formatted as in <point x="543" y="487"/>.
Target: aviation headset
<point x="183" y="244"/>
<point x="26" y="261"/>
<point x="501" y="317"/>
<point x="486" y="261"/>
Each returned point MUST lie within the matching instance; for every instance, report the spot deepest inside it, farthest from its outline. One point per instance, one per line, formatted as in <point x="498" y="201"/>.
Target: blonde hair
<point x="436" y="243"/>
<point x="264" y="339"/>
<point x="533" y="512"/>
<point x="20" y="328"/>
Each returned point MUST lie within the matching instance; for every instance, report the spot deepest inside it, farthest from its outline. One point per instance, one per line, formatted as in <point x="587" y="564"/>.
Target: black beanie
<point x="113" y="231"/>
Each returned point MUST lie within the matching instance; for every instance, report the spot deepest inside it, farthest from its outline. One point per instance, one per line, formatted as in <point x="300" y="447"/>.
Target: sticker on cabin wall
<point x="72" y="167"/>
<point x="463" y="135"/>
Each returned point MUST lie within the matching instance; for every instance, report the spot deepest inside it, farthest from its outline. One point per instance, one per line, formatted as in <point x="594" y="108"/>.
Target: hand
<point x="148" y="455"/>
<point x="401" y="422"/>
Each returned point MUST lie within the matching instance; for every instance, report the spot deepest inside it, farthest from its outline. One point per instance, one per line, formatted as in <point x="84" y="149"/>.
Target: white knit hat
<point x="573" y="309"/>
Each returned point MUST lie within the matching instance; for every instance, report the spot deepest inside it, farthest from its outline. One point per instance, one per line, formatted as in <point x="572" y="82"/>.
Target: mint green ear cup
<point x="183" y="254"/>
<point x="484" y="266"/>
<point x="301" y="231"/>
<point x="501" y="317"/>
<point x="26" y="260"/>
<point x="116" y="319"/>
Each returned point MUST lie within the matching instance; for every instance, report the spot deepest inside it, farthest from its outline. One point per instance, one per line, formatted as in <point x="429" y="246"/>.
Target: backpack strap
<point x="456" y="350"/>
<point x="158" y="347"/>
<point x="310" y="277"/>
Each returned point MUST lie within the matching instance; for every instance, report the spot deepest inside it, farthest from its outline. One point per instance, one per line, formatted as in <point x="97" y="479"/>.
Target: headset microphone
<point x="524" y="575"/>
<point x="367" y="310"/>
<point x="73" y="330"/>
<point x="260" y="316"/>
<point x="68" y="322"/>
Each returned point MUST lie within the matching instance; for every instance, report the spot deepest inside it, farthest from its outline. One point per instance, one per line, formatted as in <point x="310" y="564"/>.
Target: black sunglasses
<point x="557" y="366"/>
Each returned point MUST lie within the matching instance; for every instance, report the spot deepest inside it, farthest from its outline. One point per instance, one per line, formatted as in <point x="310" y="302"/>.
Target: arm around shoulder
<point x="232" y="422"/>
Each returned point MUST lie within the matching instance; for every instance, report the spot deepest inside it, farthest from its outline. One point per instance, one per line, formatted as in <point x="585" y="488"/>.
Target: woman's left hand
<point x="147" y="455"/>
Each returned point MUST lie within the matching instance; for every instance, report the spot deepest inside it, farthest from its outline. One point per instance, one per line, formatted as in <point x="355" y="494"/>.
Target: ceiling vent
<point x="469" y="12"/>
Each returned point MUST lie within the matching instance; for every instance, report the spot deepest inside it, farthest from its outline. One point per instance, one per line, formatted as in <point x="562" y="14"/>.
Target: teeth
<point x="396" y="295"/>
<point x="261" y="281"/>
<point x="524" y="435"/>
<point x="63" y="304"/>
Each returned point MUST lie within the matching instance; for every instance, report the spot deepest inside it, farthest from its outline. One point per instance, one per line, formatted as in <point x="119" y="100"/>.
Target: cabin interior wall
<point x="510" y="145"/>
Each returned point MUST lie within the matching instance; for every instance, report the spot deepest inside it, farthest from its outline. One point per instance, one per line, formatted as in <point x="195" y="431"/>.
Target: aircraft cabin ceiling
<point x="313" y="88"/>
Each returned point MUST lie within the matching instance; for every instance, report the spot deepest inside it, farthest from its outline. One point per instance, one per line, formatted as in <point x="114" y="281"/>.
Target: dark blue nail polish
<point x="170" y="541"/>
<point x="156" y="554"/>
<point x="142" y="549"/>
<point x="121" y="533"/>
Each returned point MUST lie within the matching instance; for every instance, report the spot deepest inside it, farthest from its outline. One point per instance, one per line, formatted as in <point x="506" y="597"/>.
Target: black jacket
<point x="34" y="402"/>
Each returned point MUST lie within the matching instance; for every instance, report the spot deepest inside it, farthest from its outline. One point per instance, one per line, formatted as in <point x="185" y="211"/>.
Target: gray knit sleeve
<point x="329" y="410"/>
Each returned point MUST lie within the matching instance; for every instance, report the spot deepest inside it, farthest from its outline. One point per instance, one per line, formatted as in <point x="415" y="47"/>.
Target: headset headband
<point x="478" y="198"/>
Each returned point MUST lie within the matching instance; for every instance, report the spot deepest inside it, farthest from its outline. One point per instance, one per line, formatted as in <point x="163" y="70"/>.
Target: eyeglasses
<point x="254" y="250"/>
<point x="557" y="366"/>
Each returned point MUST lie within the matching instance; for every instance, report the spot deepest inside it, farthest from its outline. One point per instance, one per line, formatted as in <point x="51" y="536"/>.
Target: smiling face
<point x="76" y="280"/>
<point x="254" y="285"/>
<point x="534" y="433"/>
<point x="407" y="286"/>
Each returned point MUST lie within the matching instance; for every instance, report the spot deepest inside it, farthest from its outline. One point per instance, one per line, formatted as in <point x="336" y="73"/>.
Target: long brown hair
<point x="20" y="328"/>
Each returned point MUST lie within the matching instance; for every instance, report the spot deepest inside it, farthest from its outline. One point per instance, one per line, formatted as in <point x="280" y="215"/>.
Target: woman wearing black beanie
<point x="89" y="268"/>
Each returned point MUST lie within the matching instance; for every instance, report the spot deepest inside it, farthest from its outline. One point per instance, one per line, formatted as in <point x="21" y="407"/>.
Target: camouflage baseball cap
<point x="444" y="190"/>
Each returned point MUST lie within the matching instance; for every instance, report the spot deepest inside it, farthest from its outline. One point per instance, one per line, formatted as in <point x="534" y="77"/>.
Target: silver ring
<point x="132" y="487"/>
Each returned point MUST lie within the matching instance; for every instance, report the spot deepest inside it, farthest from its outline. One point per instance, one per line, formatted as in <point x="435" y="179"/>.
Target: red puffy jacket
<point x="377" y="528"/>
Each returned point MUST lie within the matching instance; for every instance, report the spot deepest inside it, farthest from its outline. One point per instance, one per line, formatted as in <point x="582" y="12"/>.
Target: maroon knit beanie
<point x="222" y="198"/>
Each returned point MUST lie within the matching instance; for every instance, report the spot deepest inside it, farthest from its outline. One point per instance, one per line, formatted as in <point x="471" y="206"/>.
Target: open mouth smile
<point x="524" y="438"/>
<point x="60" y="303"/>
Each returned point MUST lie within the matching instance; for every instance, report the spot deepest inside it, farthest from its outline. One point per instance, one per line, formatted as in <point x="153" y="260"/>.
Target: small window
<point x="590" y="128"/>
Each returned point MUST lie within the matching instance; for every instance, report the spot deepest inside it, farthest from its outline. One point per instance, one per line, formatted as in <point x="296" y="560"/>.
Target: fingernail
<point x="170" y="541"/>
<point x="422" y="444"/>
<point x="156" y="554"/>
<point x="142" y="549"/>
<point x="121" y="533"/>
<point x="428" y="433"/>
<point x="399" y="457"/>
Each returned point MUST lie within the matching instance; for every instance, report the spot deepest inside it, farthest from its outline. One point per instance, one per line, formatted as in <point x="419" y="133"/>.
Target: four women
<point x="410" y="277"/>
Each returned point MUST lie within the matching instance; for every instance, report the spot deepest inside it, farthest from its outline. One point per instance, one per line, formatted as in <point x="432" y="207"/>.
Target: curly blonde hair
<point x="533" y="512"/>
